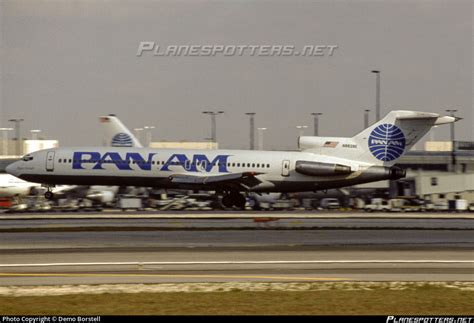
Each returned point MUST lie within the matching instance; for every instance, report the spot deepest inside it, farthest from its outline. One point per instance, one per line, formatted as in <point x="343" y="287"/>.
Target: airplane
<point x="11" y="186"/>
<point x="116" y="134"/>
<point x="322" y="162"/>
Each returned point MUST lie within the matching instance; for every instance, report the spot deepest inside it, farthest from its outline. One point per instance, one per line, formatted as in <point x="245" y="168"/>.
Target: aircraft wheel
<point x="48" y="195"/>
<point x="227" y="201"/>
<point x="240" y="201"/>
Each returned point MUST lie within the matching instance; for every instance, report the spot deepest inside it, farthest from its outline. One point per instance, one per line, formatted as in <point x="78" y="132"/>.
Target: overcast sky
<point x="64" y="63"/>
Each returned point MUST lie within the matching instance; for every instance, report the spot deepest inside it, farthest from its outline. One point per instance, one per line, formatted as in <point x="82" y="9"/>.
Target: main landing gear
<point x="234" y="199"/>
<point x="48" y="195"/>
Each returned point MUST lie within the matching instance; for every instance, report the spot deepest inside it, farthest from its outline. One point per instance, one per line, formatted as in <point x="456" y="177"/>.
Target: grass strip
<point x="421" y="300"/>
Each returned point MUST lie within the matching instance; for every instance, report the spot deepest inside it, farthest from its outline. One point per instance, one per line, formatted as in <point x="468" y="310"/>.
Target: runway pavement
<point x="224" y="265"/>
<point x="51" y="258"/>
<point x="52" y="251"/>
<point x="233" y="221"/>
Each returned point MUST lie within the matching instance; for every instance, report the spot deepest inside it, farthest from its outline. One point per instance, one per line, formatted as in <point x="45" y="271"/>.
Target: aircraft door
<point x="285" y="168"/>
<point x="50" y="161"/>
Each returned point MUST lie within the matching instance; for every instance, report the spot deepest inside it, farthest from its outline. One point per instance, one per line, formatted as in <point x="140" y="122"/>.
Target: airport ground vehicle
<point x="405" y="205"/>
<point x="398" y="205"/>
<point x="6" y="202"/>
<point x="471" y="207"/>
<point x="377" y="205"/>
<point x="458" y="205"/>
<point x="280" y="204"/>
<point x="330" y="203"/>
<point x="128" y="202"/>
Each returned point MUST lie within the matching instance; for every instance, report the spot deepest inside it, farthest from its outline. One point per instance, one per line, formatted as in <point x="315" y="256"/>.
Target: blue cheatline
<point x="387" y="142"/>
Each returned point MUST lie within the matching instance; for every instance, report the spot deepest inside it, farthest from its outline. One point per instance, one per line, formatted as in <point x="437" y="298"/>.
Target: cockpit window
<point x="27" y="158"/>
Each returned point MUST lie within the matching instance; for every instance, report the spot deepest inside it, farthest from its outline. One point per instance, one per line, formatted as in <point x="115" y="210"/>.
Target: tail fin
<point x="387" y="140"/>
<point x="116" y="134"/>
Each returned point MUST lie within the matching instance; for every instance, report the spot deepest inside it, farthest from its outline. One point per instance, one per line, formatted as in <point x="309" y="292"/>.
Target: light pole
<point x="452" y="111"/>
<point x="301" y="129"/>
<point x="366" y="118"/>
<point x="252" y="129"/>
<point x="453" y="140"/>
<point x="18" y="139"/>
<point x="148" y="134"/>
<point x="34" y="134"/>
<point x="377" y="95"/>
<point x="316" y="122"/>
<point x="260" y="137"/>
<point x="213" y="123"/>
<point x="5" y="140"/>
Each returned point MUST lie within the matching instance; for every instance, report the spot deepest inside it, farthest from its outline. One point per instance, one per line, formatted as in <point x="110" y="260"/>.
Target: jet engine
<point x="321" y="169"/>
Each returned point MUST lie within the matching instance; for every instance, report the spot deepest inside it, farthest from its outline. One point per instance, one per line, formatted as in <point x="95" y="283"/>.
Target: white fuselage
<point x="274" y="171"/>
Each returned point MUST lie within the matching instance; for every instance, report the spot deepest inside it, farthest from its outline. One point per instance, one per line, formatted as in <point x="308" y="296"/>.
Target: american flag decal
<point x="331" y="144"/>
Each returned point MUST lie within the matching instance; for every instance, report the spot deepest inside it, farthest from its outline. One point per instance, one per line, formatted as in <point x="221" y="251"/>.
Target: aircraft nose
<point x="12" y="169"/>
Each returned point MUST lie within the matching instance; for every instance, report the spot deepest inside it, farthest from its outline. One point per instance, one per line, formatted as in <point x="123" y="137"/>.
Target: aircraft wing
<point x="247" y="179"/>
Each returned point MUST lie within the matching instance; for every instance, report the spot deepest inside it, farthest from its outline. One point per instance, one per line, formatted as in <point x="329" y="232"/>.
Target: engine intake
<point x="321" y="169"/>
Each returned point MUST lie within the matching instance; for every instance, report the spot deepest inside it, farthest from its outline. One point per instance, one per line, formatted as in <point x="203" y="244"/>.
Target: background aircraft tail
<point x="383" y="142"/>
<point x="116" y="134"/>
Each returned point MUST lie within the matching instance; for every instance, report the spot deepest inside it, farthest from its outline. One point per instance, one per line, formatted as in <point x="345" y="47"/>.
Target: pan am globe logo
<point x="387" y="142"/>
<point x="122" y="140"/>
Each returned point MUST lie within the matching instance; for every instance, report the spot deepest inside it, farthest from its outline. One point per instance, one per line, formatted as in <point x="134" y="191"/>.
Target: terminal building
<point x="11" y="148"/>
<point x="436" y="173"/>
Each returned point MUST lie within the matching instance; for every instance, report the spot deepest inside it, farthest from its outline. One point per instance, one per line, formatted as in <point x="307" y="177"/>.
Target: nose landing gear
<point x="48" y="195"/>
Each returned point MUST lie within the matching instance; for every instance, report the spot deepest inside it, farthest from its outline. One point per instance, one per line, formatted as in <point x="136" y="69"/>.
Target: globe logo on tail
<point x="122" y="140"/>
<point x="387" y="142"/>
